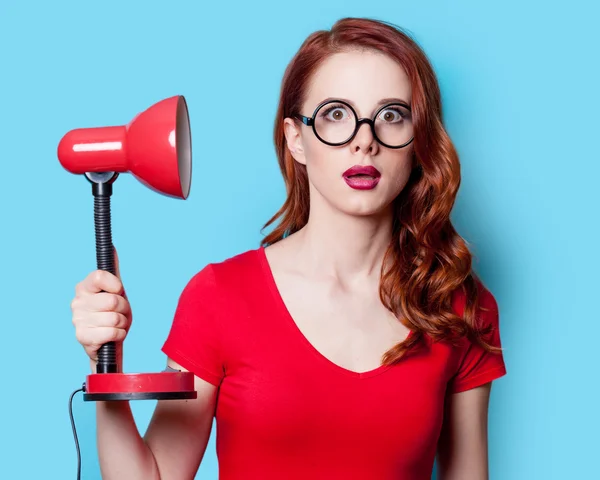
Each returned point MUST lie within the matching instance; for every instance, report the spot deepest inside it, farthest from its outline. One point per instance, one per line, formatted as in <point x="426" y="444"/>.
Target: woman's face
<point x="367" y="81"/>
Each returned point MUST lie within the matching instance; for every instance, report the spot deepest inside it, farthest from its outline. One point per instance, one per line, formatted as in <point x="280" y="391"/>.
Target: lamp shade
<point x="155" y="147"/>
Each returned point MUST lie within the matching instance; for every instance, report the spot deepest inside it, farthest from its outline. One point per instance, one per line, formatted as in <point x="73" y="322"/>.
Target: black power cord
<point x="82" y="389"/>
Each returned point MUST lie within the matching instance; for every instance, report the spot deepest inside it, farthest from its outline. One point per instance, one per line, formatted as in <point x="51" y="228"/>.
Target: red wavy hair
<point x="427" y="262"/>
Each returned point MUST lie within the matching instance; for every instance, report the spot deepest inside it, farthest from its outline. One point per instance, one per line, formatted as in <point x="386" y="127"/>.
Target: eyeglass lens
<point x="335" y="123"/>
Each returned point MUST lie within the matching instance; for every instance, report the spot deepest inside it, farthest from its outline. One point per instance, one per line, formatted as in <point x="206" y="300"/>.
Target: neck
<point x="344" y="247"/>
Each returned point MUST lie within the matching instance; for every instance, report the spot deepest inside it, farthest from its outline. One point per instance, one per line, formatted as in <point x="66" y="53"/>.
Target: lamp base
<point x="139" y="386"/>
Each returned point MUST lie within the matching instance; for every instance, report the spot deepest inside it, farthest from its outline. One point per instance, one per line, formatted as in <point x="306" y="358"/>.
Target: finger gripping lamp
<point x="155" y="147"/>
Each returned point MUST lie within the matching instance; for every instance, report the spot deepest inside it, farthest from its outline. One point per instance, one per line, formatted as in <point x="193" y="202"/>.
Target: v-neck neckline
<point x="289" y="320"/>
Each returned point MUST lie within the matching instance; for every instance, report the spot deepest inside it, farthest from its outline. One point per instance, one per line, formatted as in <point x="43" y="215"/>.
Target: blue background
<point x="520" y="90"/>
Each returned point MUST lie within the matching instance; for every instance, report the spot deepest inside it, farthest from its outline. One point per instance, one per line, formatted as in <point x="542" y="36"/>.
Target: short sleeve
<point x="477" y="366"/>
<point x="194" y="340"/>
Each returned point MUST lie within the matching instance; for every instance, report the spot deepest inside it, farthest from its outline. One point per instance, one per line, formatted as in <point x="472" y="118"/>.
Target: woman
<point x="355" y="342"/>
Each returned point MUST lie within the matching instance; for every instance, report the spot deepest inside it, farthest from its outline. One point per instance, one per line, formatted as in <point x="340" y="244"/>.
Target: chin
<point x="366" y="207"/>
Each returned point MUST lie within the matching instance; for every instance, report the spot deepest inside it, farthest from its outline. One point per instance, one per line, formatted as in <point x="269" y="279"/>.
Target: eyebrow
<point x="381" y="102"/>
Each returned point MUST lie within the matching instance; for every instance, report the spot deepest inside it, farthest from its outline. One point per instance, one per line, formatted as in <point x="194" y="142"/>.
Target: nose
<point x="364" y="141"/>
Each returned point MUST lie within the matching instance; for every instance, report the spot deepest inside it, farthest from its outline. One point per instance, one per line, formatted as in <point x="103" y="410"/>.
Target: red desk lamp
<point x="155" y="147"/>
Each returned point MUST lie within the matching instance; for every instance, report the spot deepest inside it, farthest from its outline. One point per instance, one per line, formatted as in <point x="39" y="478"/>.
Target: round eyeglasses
<point x="335" y="123"/>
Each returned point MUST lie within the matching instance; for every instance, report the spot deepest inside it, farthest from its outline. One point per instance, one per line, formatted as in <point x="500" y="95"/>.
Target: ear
<point x="293" y="137"/>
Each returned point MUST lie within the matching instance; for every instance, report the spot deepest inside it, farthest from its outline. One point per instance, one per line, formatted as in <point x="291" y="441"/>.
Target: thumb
<point x="116" y="260"/>
<point x="117" y="269"/>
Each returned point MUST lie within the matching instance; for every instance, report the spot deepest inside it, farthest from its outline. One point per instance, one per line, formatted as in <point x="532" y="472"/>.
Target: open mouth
<point x="362" y="177"/>
<point x="360" y="171"/>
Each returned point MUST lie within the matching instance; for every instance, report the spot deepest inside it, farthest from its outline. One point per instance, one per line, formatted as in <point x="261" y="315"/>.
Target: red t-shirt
<point x="285" y="411"/>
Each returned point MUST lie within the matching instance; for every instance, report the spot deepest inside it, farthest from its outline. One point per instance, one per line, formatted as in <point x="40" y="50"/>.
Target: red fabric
<point x="286" y="411"/>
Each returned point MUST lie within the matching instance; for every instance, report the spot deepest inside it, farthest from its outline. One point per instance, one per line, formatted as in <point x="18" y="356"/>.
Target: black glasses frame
<point x="310" y="122"/>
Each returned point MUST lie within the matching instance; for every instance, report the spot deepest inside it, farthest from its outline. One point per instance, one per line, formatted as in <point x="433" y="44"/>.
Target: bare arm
<point x="179" y="431"/>
<point x="176" y="438"/>
<point x="173" y="445"/>
<point x="463" y="445"/>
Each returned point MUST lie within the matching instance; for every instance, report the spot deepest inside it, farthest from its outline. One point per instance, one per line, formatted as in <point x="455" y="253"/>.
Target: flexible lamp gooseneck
<point x="155" y="147"/>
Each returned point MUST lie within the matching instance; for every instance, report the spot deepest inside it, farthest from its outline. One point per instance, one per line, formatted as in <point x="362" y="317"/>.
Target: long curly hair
<point x="427" y="262"/>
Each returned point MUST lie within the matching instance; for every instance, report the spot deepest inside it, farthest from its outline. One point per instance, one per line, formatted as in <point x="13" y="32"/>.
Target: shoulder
<point x="227" y="274"/>
<point x="485" y="309"/>
<point x="480" y="358"/>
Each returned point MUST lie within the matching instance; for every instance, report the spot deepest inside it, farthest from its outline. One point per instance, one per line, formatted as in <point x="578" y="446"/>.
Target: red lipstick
<point x="362" y="177"/>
